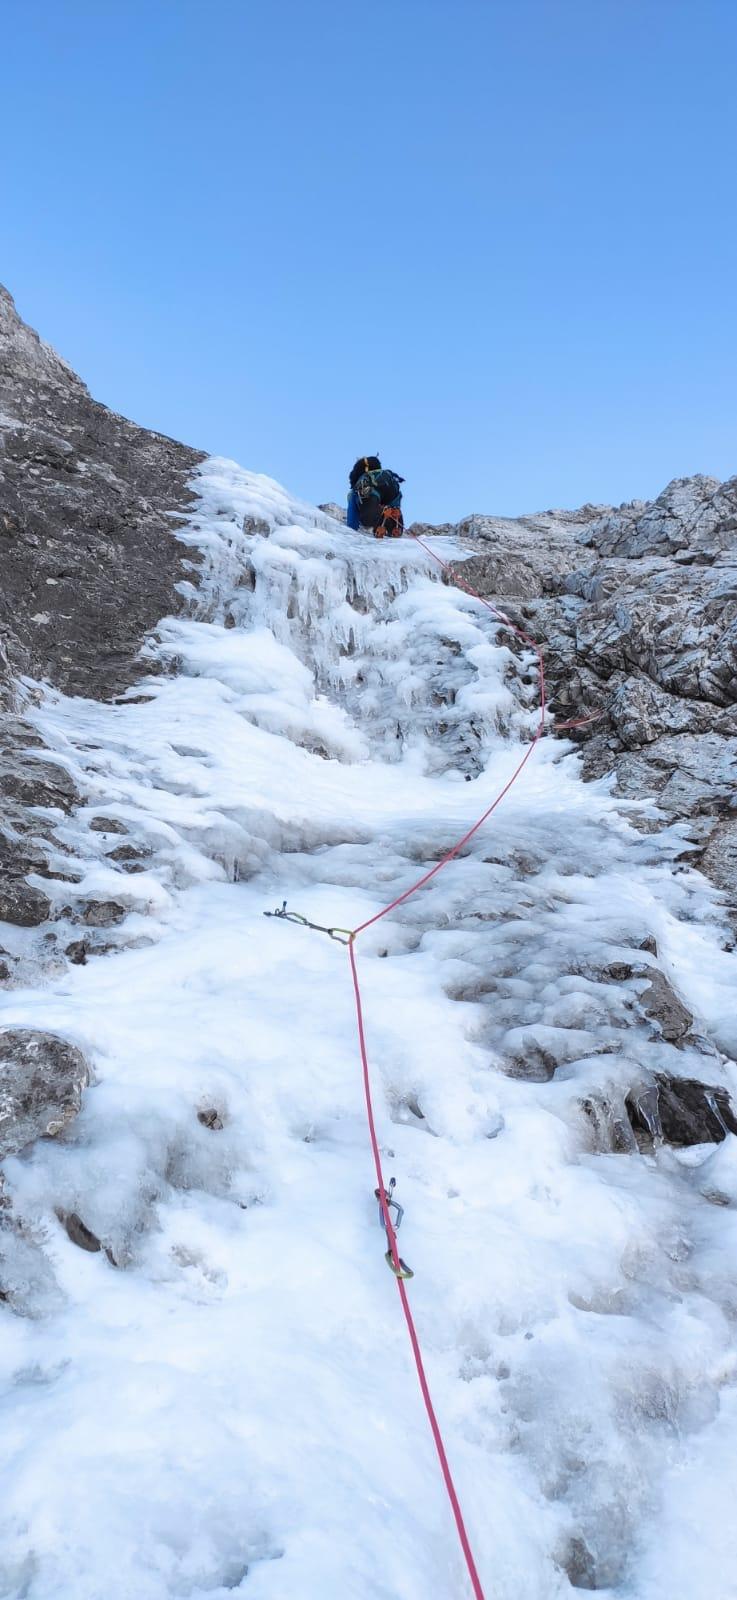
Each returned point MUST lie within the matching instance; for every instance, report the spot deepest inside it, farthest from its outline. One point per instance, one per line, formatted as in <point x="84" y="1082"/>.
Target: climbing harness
<point x="388" y="1203"/>
<point x="340" y="935"/>
<point x="390" y="1211"/>
<point x="390" y="524"/>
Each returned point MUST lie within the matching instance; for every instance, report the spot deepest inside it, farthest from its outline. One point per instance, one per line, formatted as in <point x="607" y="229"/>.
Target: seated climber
<point x="375" y="499"/>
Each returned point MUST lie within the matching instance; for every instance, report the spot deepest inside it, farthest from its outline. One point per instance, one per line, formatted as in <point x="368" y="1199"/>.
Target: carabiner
<point x="400" y="1270"/>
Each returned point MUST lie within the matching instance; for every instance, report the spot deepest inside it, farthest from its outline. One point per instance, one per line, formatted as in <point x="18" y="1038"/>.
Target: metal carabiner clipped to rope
<point x="340" y="935"/>
<point x="398" y="1267"/>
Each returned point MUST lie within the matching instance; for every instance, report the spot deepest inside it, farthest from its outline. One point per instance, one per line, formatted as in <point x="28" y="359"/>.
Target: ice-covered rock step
<point x="404" y="656"/>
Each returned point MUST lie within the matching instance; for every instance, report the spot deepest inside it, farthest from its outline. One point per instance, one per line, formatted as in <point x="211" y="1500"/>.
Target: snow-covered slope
<point x="222" y="1398"/>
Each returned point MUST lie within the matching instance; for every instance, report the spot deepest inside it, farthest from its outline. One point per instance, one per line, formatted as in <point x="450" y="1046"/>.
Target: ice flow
<point x="221" y="1399"/>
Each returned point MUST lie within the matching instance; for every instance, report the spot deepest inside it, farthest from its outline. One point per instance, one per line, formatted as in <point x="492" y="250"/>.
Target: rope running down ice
<point x="349" y="937"/>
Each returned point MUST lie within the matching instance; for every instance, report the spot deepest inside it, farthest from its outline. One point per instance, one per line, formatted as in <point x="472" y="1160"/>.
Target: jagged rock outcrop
<point x="637" y="606"/>
<point x="692" y="520"/>
<point x="89" y="563"/>
<point x="89" y="560"/>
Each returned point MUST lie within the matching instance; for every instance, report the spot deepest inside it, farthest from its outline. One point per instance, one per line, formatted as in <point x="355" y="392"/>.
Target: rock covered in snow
<point x="41" y="1083"/>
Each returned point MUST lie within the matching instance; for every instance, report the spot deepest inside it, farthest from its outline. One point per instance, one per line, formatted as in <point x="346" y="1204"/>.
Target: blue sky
<point x="495" y="240"/>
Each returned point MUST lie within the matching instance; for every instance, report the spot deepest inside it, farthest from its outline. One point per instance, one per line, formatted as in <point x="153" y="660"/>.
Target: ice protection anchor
<point x="340" y="935"/>
<point x="392" y="1206"/>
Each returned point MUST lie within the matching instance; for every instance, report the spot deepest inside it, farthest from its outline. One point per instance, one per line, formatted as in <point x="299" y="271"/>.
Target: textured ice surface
<point x="225" y="1401"/>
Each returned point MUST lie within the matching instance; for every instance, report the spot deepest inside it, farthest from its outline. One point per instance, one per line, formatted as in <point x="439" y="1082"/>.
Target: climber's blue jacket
<point x="352" y="516"/>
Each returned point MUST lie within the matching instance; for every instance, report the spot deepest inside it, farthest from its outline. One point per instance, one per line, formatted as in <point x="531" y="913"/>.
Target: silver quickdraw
<point x="340" y="935"/>
<point x="397" y="1212"/>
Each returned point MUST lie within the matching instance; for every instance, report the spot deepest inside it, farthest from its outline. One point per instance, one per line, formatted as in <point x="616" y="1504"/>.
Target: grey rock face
<point x="693" y="519"/>
<point x="26" y="780"/>
<point x="641" y="712"/>
<point x="41" y="1083"/>
<point x="89" y="564"/>
<point x="691" y="774"/>
<point x="719" y="859"/>
<point x="645" y="633"/>
<point x="502" y="575"/>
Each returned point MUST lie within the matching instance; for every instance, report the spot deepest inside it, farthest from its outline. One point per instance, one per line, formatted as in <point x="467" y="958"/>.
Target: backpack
<point x="363" y="464"/>
<point x="374" y="490"/>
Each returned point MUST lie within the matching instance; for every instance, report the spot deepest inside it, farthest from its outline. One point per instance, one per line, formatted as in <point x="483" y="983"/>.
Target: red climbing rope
<point x="409" y="1319"/>
<point x="382" y="1192"/>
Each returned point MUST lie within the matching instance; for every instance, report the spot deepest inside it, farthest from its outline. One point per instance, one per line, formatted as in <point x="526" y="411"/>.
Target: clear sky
<point x="495" y="240"/>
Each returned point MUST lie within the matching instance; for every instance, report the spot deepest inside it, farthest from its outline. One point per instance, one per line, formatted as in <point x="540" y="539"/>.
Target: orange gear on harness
<point x="390" y="524"/>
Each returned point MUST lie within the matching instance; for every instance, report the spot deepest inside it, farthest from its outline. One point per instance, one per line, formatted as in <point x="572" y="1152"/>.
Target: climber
<point x="375" y="499"/>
